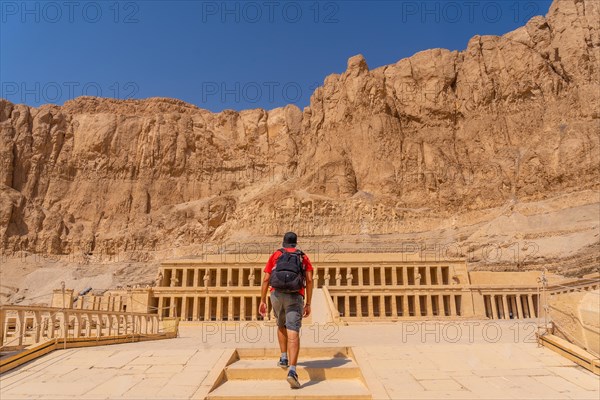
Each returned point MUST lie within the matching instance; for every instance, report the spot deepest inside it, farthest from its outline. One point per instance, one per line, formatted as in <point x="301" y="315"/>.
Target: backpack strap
<point x="301" y="254"/>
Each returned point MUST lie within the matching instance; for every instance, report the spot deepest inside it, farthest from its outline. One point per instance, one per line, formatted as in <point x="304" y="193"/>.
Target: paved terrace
<point x="450" y="360"/>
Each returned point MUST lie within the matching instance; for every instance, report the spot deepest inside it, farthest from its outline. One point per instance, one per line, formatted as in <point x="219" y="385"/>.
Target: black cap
<point x="290" y="239"/>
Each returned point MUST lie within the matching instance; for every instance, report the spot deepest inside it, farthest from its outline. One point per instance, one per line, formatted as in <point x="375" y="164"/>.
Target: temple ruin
<point x="358" y="287"/>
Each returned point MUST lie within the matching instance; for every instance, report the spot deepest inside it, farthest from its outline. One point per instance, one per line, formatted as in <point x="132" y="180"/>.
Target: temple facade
<point x="358" y="287"/>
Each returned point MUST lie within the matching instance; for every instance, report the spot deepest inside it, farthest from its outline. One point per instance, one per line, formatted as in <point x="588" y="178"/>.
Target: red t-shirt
<point x="273" y="260"/>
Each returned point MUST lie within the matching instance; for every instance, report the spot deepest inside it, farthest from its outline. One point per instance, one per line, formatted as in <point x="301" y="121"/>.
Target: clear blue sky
<point x="224" y="54"/>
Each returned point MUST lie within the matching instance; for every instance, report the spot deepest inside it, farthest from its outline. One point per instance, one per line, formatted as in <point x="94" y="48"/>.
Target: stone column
<point x="418" y="310"/>
<point x="99" y="323"/>
<point x="395" y="277"/>
<point x="382" y="272"/>
<point x="51" y="322"/>
<point x="338" y="277"/>
<point x="219" y="306"/>
<point x="370" y="305"/>
<point x="172" y="308"/>
<point x="183" y="316"/>
<point x="349" y="277"/>
<point x="254" y="309"/>
<point x="161" y="304"/>
<point x="404" y="276"/>
<point x="242" y="308"/>
<point x="519" y="307"/>
<point x="532" y="310"/>
<point x="346" y="306"/>
<point x="405" y="309"/>
<point x="21" y="327"/>
<point x="77" y="326"/>
<point x="37" y="326"/>
<point x="230" y="309"/>
<point x="372" y="275"/>
<point x="382" y="306"/>
<point x="184" y="276"/>
<point x="207" y="308"/>
<point x="505" y="305"/>
<point x="394" y="304"/>
<point x="361" y="280"/>
<point x="494" y="302"/>
<point x="439" y="275"/>
<point x="196" y="308"/>
<point x="88" y="325"/>
<point x="453" y="305"/>
<point x="428" y="304"/>
<point x="116" y="325"/>
<point x="229" y="276"/>
<point x="109" y="322"/>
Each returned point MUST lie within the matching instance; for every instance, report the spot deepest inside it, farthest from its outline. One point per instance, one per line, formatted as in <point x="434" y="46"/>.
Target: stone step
<point x="336" y="389"/>
<point x="314" y="369"/>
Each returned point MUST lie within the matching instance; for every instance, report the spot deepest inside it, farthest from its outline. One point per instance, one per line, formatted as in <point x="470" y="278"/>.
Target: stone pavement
<point x="460" y="360"/>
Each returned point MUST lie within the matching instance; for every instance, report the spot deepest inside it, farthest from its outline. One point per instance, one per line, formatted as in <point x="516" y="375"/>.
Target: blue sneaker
<point x="292" y="379"/>
<point x="283" y="362"/>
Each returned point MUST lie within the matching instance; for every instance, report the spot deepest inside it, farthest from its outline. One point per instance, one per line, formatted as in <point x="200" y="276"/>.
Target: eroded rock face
<point x="402" y="148"/>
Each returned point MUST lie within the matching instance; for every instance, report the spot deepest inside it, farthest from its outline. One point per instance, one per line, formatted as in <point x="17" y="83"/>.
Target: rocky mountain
<point x="498" y="144"/>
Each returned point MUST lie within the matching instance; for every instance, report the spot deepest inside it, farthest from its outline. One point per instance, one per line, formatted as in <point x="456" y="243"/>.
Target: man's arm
<point x="262" y="309"/>
<point x="309" y="290"/>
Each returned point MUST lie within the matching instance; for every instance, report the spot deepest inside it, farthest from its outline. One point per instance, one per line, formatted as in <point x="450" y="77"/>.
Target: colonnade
<point x="217" y="276"/>
<point x="23" y="325"/>
<point x="361" y="275"/>
<point x="386" y="275"/>
<point x="511" y="306"/>
<point x="397" y="305"/>
<point x="213" y="307"/>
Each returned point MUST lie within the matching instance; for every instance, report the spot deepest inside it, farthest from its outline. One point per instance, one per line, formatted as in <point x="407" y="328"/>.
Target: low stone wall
<point x="576" y="318"/>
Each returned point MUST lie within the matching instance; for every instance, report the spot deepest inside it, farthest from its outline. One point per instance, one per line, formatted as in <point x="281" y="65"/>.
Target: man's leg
<point x="281" y="330"/>
<point x="282" y="336"/>
<point x="293" y="346"/>
<point x="293" y="323"/>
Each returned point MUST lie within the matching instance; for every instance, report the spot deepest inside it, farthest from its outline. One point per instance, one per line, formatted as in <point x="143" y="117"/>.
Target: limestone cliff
<point x="439" y="141"/>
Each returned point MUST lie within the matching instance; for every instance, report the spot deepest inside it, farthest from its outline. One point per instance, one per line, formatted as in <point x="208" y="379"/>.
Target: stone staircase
<point x="325" y="373"/>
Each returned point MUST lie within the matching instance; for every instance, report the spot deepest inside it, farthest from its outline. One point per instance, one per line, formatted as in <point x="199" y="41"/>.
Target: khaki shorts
<point x="288" y="309"/>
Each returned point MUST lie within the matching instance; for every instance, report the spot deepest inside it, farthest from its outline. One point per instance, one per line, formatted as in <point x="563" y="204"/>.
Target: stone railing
<point x="22" y="326"/>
